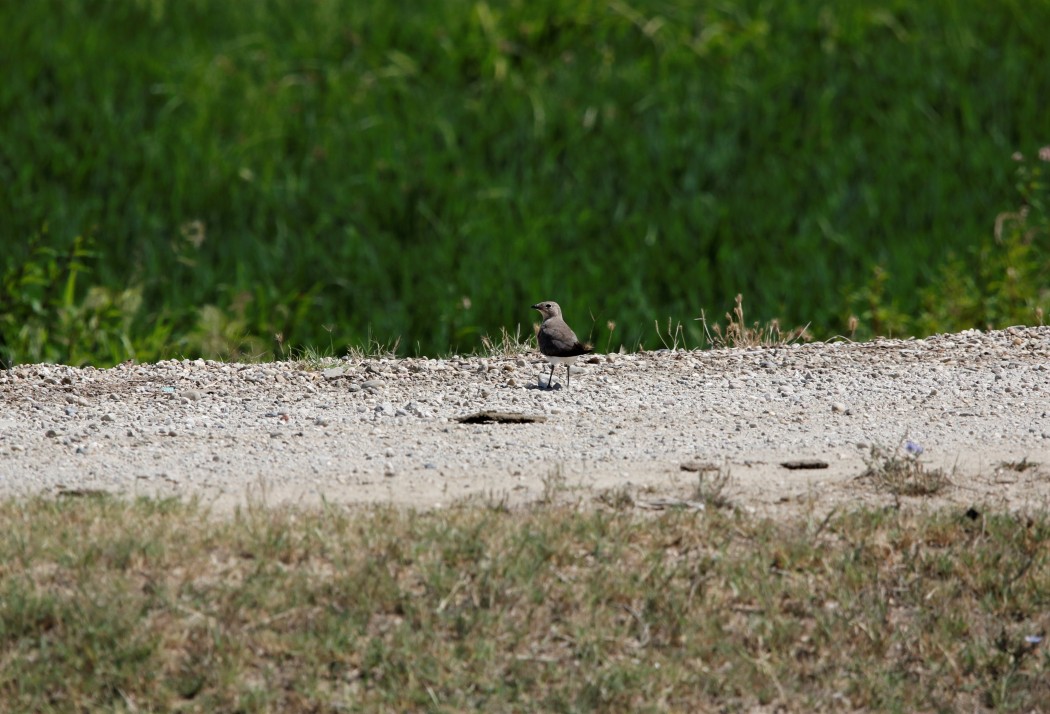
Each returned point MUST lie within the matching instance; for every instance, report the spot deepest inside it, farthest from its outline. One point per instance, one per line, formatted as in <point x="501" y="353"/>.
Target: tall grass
<point x="428" y="171"/>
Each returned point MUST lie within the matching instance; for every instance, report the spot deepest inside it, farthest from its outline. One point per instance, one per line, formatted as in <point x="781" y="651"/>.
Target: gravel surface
<point x="386" y="430"/>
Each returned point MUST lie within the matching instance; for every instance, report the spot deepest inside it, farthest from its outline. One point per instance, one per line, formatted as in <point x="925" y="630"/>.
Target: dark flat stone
<point x="494" y="417"/>
<point x="805" y="464"/>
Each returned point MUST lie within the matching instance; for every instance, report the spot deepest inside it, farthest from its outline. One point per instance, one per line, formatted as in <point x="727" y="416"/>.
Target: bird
<point x="558" y="343"/>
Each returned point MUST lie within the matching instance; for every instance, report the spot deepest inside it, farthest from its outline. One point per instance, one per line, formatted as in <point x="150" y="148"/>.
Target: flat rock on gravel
<point x="387" y="430"/>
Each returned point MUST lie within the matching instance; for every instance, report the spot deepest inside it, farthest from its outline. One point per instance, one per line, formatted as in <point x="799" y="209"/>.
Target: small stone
<point x="51" y="433"/>
<point x="193" y="395"/>
<point x="373" y="385"/>
<point x="108" y="417"/>
<point x="839" y="408"/>
<point x="416" y="410"/>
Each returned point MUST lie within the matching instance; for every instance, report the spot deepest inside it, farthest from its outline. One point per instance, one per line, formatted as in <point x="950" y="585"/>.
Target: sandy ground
<point x="386" y="431"/>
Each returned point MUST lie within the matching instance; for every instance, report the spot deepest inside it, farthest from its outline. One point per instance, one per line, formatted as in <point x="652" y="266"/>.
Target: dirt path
<point x="385" y="431"/>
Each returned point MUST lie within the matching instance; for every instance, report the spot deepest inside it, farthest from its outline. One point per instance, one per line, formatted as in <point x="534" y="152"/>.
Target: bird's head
<point x="548" y="308"/>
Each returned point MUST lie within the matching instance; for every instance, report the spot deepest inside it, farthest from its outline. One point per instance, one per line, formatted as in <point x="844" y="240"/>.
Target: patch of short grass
<point x="159" y="605"/>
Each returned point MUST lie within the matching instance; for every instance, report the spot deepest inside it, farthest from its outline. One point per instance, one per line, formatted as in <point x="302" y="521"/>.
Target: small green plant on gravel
<point x="737" y="333"/>
<point x="900" y="471"/>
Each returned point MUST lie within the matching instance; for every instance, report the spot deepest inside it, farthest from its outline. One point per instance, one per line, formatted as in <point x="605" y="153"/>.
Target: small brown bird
<point x="558" y="343"/>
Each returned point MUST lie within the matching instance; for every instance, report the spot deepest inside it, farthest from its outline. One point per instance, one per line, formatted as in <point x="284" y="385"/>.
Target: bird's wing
<point x="557" y="339"/>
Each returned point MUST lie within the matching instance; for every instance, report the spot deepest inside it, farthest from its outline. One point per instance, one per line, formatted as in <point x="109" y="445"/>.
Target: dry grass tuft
<point x="712" y="486"/>
<point x="737" y="333"/>
<point x="901" y="472"/>
<point x="1020" y="466"/>
<point x="374" y="349"/>
<point x="507" y="344"/>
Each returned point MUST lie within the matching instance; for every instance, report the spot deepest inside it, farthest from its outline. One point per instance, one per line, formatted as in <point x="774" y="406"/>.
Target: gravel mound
<point x="388" y="430"/>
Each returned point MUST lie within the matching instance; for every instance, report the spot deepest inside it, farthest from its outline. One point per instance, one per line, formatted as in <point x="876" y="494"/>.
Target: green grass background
<point x="192" y="177"/>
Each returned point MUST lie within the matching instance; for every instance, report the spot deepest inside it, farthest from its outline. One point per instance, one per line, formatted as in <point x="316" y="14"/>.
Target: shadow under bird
<point x="558" y="343"/>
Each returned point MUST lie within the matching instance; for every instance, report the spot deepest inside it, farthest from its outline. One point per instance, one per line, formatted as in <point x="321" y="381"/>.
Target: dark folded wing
<point x="558" y="340"/>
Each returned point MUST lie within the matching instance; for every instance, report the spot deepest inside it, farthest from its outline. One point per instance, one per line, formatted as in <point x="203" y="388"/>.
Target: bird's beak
<point x="536" y="306"/>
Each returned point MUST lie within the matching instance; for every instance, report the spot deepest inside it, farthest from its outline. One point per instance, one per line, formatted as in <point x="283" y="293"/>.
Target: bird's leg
<point x="550" y="379"/>
<point x="568" y="375"/>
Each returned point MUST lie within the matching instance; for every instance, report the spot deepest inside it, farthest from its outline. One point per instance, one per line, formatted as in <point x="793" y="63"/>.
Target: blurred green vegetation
<point x="190" y="177"/>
